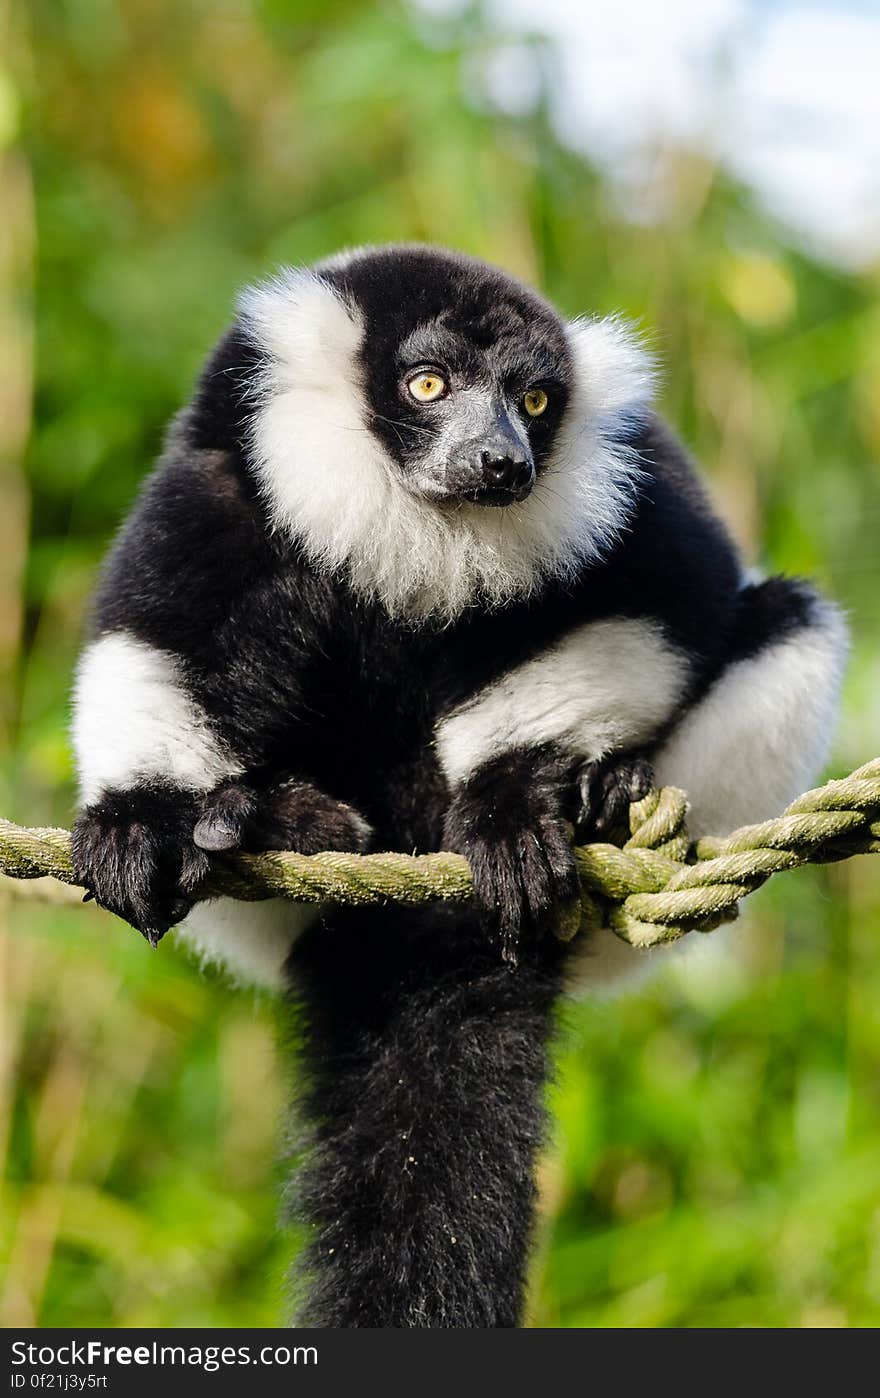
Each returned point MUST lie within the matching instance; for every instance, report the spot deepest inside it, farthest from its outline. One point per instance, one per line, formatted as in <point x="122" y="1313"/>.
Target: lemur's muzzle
<point x="497" y="468"/>
<point x="505" y="479"/>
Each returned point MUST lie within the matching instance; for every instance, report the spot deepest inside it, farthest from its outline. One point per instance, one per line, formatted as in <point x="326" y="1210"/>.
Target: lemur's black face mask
<point x="467" y="416"/>
<point x="466" y="378"/>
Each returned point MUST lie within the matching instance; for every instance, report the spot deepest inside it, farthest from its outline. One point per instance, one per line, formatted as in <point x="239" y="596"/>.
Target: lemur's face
<point x="466" y="375"/>
<point x="399" y="390"/>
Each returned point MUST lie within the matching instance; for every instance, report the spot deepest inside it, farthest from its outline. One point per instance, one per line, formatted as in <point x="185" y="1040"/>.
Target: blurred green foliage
<point x="718" y="1154"/>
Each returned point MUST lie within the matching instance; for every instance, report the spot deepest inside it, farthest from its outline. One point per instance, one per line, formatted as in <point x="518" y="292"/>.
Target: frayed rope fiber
<point x="653" y="889"/>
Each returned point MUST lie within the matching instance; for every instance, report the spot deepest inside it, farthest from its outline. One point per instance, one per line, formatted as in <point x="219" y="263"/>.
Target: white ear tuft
<point x="302" y="326"/>
<point x="615" y="372"/>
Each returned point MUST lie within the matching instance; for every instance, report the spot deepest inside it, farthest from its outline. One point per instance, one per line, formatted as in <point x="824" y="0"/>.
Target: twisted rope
<point x="653" y="889"/>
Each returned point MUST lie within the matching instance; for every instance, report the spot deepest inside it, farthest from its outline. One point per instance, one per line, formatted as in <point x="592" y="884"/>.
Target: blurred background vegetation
<point x="718" y="1153"/>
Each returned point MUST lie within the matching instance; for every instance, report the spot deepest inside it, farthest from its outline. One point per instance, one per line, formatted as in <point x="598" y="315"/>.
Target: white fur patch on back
<point x="251" y="941"/>
<point x="762" y="733"/>
<point x="133" y="721"/>
<point x="610" y="684"/>
<point x="328" y="481"/>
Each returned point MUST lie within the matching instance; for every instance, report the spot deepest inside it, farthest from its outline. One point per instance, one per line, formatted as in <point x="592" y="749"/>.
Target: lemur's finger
<point x="225" y="818"/>
<point x="214" y="833"/>
<point x="605" y="790"/>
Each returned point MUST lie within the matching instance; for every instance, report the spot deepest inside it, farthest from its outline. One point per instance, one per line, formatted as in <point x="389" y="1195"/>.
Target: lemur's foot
<point x="604" y="790"/>
<point x="510" y="824"/>
<point x="288" y="815"/>
<point x="134" y="852"/>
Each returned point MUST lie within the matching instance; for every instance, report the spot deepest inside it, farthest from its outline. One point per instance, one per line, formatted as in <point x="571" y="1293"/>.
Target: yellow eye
<point x="427" y="387"/>
<point x="535" y="401"/>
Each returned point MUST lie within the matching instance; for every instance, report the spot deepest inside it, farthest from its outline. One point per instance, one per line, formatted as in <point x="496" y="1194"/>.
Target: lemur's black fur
<point x="425" y="1031"/>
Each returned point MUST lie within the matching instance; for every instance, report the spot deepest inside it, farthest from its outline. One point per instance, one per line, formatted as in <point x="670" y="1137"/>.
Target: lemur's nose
<point x="504" y="473"/>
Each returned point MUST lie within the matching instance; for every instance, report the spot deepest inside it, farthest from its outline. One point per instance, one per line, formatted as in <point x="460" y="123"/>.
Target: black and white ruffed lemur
<point x="421" y="569"/>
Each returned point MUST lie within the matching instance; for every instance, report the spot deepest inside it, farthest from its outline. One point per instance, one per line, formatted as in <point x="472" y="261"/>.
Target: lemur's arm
<point x="184" y="733"/>
<point x="513" y="755"/>
<point x="727" y="686"/>
<point x="513" y="752"/>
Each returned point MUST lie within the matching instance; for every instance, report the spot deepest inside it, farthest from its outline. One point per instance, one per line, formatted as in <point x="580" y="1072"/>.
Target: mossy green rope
<point x="654" y="889"/>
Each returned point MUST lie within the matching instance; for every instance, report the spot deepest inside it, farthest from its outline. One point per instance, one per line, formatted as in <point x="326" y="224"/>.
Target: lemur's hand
<point x="143" y="853"/>
<point x="134" y="852"/>
<point x="511" y="823"/>
<point x="286" y="815"/>
<point x="605" y="789"/>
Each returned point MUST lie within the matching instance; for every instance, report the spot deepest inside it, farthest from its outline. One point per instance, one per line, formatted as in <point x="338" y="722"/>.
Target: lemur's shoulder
<point x="671" y="481"/>
<point x="194" y="538"/>
<point x="676" y="559"/>
<point x="201" y="503"/>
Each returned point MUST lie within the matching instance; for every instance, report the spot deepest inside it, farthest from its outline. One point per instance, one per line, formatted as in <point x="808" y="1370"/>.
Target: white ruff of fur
<point x="329" y="483"/>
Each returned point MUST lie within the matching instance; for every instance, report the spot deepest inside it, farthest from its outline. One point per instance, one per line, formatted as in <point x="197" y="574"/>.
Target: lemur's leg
<point x="160" y="789"/>
<point x="756" y="739"/>
<point x="762" y="732"/>
<point x="511" y="754"/>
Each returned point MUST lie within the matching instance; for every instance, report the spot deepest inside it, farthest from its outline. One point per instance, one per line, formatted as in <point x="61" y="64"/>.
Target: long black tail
<point x="424" y="1062"/>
